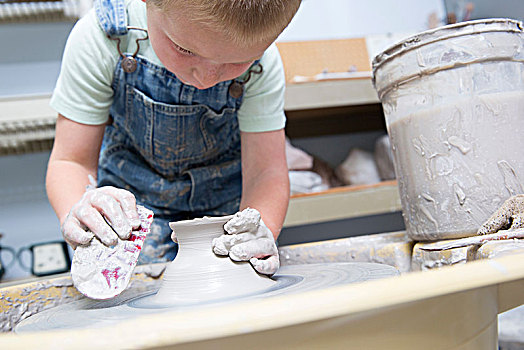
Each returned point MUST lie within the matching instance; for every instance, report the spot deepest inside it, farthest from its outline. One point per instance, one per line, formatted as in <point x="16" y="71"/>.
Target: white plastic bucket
<point x="453" y="99"/>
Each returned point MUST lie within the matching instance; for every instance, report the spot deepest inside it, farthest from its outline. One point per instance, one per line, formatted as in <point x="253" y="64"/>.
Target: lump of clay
<point x="422" y="260"/>
<point x="359" y="168"/>
<point x="384" y="158"/>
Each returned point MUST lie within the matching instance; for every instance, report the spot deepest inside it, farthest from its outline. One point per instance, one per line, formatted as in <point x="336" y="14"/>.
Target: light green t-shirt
<point x="83" y="91"/>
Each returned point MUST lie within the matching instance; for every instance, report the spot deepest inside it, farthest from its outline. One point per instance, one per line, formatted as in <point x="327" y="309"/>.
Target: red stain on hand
<point x="133" y="248"/>
<point x="134" y="237"/>
<point x="108" y="274"/>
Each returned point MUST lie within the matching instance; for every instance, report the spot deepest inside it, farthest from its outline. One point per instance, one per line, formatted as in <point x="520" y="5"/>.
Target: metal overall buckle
<point x="236" y="88"/>
<point x="129" y="62"/>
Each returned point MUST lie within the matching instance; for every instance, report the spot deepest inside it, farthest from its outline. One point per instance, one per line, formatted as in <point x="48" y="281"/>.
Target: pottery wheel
<point x="289" y="279"/>
<point x="198" y="278"/>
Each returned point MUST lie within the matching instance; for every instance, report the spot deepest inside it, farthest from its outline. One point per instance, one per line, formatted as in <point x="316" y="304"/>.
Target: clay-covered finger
<point x="219" y="246"/>
<point x="74" y="234"/>
<point x="245" y="221"/>
<point x="93" y="220"/>
<point x="268" y="266"/>
<point x="222" y="245"/>
<point x="258" y="248"/>
<point x="128" y="203"/>
<point x="229" y="241"/>
<point x="113" y="213"/>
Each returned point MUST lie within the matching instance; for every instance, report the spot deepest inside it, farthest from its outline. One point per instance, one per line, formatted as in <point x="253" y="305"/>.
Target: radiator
<point x="42" y="10"/>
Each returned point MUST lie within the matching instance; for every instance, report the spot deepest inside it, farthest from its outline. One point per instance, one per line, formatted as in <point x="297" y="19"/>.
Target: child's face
<point x="198" y="56"/>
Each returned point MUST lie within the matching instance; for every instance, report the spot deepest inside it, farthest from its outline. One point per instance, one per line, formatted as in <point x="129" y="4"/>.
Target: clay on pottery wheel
<point x="198" y="275"/>
<point x="198" y="278"/>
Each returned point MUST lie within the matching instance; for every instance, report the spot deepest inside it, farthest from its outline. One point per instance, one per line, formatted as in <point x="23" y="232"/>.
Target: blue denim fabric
<point x="176" y="148"/>
<point x="114" y="21"/>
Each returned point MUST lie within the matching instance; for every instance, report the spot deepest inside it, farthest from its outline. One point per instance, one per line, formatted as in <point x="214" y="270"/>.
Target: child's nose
<point x="207" y="75"/>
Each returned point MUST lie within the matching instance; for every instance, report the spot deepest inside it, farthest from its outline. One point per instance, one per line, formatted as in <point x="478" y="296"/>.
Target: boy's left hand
<point x="248" y="238"/>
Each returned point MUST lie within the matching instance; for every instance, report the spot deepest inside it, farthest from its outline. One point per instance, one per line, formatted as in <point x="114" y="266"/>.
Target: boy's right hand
<point x="105" y="212"/>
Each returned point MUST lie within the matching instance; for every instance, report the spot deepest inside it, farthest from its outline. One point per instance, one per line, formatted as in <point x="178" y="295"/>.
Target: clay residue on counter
<point x="393" y="249"/>
<point x="426" y="260"/>
<point x="495" y="249"/>
<point x="18" y="302"/>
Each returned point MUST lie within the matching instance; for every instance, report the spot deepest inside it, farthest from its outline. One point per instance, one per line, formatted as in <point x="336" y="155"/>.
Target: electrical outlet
<point x="50" y="258"/>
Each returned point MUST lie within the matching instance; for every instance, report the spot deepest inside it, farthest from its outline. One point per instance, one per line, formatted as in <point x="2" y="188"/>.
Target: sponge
<point x="102" y="272"/>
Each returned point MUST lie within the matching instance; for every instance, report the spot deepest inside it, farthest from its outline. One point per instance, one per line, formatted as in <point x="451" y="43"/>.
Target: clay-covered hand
<point x="248" y="238"/>
<point x="509" y="216"/>
<point x="105" y="212"/>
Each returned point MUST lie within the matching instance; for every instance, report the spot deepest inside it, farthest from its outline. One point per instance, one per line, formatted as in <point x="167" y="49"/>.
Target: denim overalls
<point x="176" y="148"/>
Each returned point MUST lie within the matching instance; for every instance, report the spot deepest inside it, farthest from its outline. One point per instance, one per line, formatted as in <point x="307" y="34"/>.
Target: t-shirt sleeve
<point x="262" y="108"/>
<point x="83" y="91"/>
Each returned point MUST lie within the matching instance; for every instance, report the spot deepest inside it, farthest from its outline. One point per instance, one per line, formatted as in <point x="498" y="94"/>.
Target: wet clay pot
<point x="198" y="275"/>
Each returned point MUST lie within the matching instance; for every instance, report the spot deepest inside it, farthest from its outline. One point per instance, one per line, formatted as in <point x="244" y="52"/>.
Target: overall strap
<point x="112" y="16"/>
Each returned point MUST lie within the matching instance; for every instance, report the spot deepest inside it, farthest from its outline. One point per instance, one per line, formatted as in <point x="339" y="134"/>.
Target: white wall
<point x="333" y="19"/>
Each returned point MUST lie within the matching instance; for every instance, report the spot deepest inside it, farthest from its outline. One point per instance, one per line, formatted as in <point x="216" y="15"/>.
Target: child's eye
<point x="184" y="51"/>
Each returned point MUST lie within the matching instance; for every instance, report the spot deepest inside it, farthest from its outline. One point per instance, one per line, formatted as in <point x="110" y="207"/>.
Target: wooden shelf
<point x="335" y="120"/>
<point x="330" y="93"/>
<point x="332" y="107"/>
<point x="314" y="61"/>
<point x="343" y="203"/>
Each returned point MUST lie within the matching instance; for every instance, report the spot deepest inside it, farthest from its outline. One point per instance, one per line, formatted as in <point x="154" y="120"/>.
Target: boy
<point x="176" y="105"/>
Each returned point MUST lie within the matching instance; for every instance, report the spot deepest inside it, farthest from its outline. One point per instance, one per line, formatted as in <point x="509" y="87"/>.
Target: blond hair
<point x="242" y="21"/>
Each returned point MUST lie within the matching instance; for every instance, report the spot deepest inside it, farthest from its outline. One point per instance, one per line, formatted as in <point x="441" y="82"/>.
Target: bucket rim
<point x="445" y="32"/>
